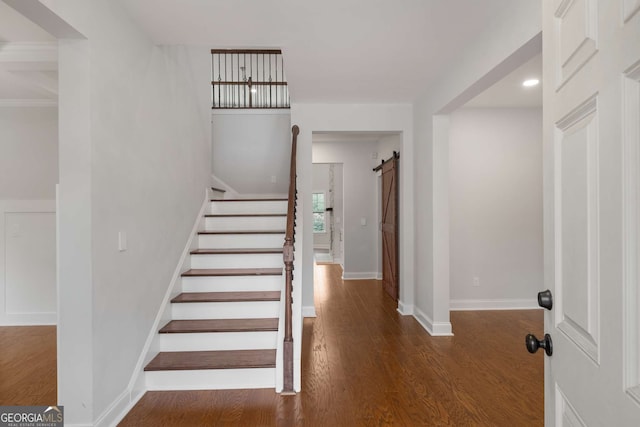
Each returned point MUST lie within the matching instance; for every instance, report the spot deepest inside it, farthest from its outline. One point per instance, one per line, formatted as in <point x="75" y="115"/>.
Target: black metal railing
<point x="248" y="78"/>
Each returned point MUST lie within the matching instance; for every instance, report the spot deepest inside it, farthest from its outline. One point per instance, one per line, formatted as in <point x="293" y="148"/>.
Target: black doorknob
<point x="545" y="299"/>
<point x="533" y="344"/>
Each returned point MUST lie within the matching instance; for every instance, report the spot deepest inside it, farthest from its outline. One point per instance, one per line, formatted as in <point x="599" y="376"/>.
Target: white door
<point x="592" y="210"/>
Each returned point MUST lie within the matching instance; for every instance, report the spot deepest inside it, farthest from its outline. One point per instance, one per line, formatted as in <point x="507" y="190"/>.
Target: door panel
<point x="577" y="285"/>
<point x="592" y="203"/>
<point x="389" y="227"/>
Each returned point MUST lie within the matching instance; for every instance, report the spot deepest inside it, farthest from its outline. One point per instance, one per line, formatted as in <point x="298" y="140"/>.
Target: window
<point x="319" y="220"/>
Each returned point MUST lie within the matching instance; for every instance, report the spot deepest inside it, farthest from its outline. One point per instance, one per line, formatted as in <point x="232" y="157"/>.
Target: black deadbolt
<point x="545" y="299"/>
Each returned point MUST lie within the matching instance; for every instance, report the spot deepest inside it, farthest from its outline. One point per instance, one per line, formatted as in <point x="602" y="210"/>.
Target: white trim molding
<point x="309" y="311"/>
<point x="405" y="309"/>
<point x="436" y="329"/>
<point x="41" y="102"/>
<point x="359" y="275"/>
<point x="39" y="52"/>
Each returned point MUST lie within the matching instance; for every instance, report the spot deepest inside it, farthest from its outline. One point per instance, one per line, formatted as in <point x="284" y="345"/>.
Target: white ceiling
<point x="28" y="62"/>
<point x="509" y="91"/>
<point x="334" y="50"/>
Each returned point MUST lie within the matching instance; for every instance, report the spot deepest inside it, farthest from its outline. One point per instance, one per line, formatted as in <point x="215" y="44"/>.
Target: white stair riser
<point x="252" y="207"/>
<point x="225" y="310"/>
<point x="211" y="341"/>
<point x="246" y="223"/>
<point x="237" y="261"/>
<point x="232" y="283"/>
<point x="233" y="241"/>
<point x="211" y="379"/>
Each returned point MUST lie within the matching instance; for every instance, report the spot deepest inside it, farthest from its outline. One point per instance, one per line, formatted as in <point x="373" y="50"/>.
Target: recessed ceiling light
<point x="531" y="83"/>
<point x="254" y="90"/>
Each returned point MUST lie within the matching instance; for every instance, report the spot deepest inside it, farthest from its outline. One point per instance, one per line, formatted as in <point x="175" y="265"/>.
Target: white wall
<point x="249" y="148"/>
<point x="134" y="157"/>
<point x="360" y="203"/>
<point x="28" y="178"/>
<point x="387" y="145"/>
<point x="495" y="195"/>
<point x="28" y="153"/>
<point x="510" y="40"/>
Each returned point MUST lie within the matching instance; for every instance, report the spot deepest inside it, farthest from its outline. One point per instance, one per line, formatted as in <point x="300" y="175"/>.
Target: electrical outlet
<point x="476" y="281"/>
<point x="273" y="179"/>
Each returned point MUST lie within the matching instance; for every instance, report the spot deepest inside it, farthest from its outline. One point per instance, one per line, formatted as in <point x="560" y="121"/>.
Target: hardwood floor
<point x="366" y="365"/>
<point x="28" y="371"/>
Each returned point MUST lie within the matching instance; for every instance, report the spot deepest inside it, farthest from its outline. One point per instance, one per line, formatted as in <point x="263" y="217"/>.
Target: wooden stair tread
<point x="220" y="325"/>
<point x="233" y="272"/>
<point x="243" y="232"/>
<point x="228" y="359"/>
<point x="251" y="215"/>
<point x="250" y="200"/>
<point x="188" y="297"/>
<point x="236" y="251"/>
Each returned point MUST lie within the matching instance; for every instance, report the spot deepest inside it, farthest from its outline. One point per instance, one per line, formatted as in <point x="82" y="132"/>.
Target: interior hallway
<point x="364" y="364"/>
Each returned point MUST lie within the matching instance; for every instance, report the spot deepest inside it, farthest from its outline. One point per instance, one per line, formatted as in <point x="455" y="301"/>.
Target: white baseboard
<point x="405" y="309"/>
<point x="359" y="275"/>
<point x="325" y="246"/>
<point x="308" y="311"/>
<point x="117" y="410"/>
<point x="436" y="329"/>
<point x="493" y="304"/>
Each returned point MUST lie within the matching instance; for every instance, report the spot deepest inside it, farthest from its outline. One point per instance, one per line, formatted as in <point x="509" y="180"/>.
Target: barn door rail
<point x="248" y="78"/>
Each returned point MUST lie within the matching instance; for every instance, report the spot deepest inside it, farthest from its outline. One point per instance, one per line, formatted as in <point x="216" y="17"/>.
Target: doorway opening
<point x="495" y="195"/>
<point x="28" y="236"/>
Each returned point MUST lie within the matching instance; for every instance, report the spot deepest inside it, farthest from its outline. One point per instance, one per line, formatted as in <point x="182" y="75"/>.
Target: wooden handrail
<point x="288" y="249"/>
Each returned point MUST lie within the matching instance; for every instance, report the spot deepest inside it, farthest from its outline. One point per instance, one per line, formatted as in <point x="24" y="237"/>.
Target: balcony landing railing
<point x="248" y="78"/>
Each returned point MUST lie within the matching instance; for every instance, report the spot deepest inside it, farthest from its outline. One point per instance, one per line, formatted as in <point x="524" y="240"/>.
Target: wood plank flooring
<point x="366" y="365"/>
<point x="28" y="371"/>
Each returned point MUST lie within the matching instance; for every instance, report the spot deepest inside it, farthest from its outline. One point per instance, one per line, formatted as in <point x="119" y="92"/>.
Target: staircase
<point x="223" y="332"/>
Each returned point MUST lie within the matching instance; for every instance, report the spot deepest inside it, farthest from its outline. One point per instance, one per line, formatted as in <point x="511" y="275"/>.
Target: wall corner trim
<point x="309" y="311"/>
<point x="436" y="329"/>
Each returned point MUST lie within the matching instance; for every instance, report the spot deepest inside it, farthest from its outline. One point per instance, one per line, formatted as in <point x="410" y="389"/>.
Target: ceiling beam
<point x="40" y="14"/>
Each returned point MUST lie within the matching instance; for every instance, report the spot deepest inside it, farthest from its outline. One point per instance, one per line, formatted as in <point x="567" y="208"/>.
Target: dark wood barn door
<point x="389" y="226"/>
